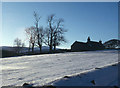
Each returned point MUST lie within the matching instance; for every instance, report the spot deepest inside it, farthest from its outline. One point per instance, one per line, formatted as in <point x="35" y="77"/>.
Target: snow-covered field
<point x="42" y="69"/>
<point x="104" y="76"/>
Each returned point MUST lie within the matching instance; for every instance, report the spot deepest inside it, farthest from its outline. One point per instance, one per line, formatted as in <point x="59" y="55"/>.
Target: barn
<point x="85" y="46"/>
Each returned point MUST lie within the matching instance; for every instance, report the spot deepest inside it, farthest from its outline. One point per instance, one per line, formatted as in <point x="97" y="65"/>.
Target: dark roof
<point x="87" y="43"/>
<point x="79" y="42"/>
<point x="94" y="42"/>
<point x="76" y="42"/>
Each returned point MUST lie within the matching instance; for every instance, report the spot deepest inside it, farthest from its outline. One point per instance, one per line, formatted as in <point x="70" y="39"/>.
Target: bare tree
<point x="31" y="36"/>
<point x="18" y="44"/>
<point x="39" y="30"/>
<point x="59" y="31"/>
<point x="51" y="25"/>
<point x="55" y="32"/>
<point x="47" y="35"/>
<point x="40" y="38"/>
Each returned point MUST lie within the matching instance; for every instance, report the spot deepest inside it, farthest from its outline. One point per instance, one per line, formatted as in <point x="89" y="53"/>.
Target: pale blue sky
<point x="99" y="20"/>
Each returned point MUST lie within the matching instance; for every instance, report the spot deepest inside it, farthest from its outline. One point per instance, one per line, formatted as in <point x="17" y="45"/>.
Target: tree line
<point x="52" y="35"/>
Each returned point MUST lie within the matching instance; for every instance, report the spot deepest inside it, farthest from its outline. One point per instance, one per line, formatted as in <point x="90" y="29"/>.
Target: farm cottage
<point x="85" y="46"/>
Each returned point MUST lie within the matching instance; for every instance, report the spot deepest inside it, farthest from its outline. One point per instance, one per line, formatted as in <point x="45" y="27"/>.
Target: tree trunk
<point x="54" y="47"/>
<point x="40" y="47"/>
<point x="54" y="43"/>
<point x="51" y="43"/>
<point x="32" y="47"/>
<point x="50" y="47"/>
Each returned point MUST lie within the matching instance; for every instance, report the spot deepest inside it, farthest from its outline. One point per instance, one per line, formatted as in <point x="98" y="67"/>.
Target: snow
<point x="106" y="76"/>
<point x="43" y="69"/>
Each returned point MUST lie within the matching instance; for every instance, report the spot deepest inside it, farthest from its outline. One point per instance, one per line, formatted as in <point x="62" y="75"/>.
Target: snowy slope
<point x="105" y="76"/>
<point x="42" y="69"/>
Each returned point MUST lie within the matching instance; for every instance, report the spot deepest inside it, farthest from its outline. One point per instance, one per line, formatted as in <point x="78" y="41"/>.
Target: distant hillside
<point x="112" y="44"/>
<point x="9" y="48"/>
<point x="8" y="51"/>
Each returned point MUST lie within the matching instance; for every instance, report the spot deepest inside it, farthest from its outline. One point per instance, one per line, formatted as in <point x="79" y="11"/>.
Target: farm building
<point x="89" y="45"/>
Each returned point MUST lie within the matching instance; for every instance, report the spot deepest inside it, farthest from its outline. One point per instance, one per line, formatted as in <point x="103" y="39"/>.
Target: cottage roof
<point x="77" y="42"/>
